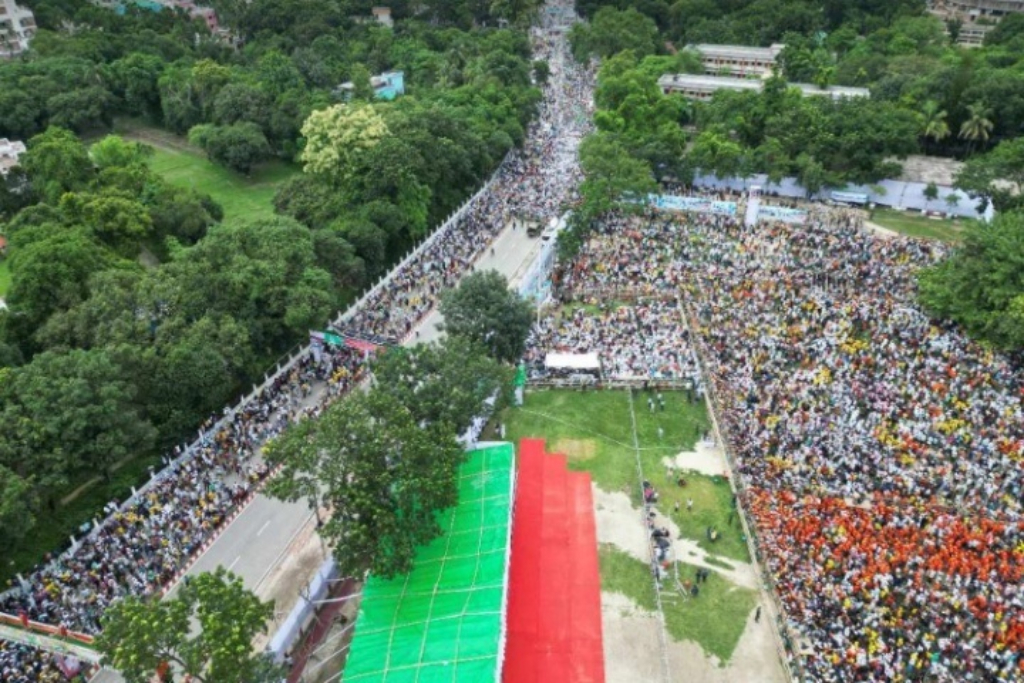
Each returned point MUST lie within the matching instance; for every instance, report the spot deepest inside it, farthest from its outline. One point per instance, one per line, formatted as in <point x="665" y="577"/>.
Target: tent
<point x="581" y="362"/>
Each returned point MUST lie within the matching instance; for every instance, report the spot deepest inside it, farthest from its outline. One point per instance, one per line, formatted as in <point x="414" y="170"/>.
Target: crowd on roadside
<point x="24" y="664"/>
<point x="539" y="180"/>
<point x="145" y="544"/>
<point x="881" y="452"/>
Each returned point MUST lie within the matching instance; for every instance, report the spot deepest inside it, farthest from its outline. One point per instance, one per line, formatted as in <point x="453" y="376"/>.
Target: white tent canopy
<point x="572" y="361"/>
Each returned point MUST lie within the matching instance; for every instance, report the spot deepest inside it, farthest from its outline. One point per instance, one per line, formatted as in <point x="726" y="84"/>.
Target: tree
<point x="338" y="138"/>
<point x="141" y="636"/>
<point x="933" y="121"/>
<point x="978" y="126"/>
<point x="483" y="310"/>
<point x="997" y="175"/>
<point x="77" y="406"/>
<point x="17" y="503"/>
<point x="56" y="162"/>
<point x="931" y="192"/>
<point x="541" y="71"/>
<point x="239" y="146"/>
<point x="981" y="285"/>
<point x="952" y="201"/>
<point x="381" y="475"/>
<point x="115" y="151"/>
<point x="443" y="383"/>
<point x="613" y="178"/>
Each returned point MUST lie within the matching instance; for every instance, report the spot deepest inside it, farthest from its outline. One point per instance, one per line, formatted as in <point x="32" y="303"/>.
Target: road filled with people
<point x="147" y="542"/>
<point x="878" y="451"/>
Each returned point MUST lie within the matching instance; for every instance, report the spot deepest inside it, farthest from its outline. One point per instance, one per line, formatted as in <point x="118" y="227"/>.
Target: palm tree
<point x="978" y="125"/>
<point x="933" y="122"/>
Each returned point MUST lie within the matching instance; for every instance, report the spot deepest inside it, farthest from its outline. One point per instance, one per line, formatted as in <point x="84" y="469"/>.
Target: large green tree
<point x="442" y="383"/>
<point x="483" y="310"/>
<point x="204" y="632"/>
<point x="381" y="475"/>
<point x="981" y="285"/>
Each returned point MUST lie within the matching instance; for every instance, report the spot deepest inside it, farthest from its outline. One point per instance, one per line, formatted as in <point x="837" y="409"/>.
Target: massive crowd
<point x="144" y="544"/>
<point x="538" y="181"/>
<point x="880" y="450"/>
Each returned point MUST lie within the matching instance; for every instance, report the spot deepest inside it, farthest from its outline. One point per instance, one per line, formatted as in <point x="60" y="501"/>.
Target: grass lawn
<point x="52" y="529"/>
<point x="241" y="197"/>
<point x="594" y="429"/>
<point x="624" y="574"/>
<point x="184" y="165"/>
<point x="5" y="277"/>
<point x="916" y="225"/>
<point x="715" y="618"/>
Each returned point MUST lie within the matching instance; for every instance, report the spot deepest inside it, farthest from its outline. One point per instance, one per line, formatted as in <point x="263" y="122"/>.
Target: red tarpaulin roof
<point x="553" y="621"/>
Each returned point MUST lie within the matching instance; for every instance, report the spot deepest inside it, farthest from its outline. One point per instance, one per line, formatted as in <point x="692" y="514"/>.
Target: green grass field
<point x="715" y="619"/>
<point x="594" y="429"/>
<point x="916" y="225"/>
<point x="241" y="197"/>
<point x="184" y="165"/>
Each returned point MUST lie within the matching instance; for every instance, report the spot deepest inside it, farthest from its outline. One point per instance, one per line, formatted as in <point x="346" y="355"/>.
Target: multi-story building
<point x="738" y="60"/>
<point x="982" y="8"/>
<point x="10" y="150"/>
<point x="17" y="26"/>
<point x="703" y="87"/>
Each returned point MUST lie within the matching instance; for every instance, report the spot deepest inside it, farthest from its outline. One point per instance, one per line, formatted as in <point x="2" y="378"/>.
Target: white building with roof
<point x="17" y="26"/>
<point x="10" y="150"/>
<point x="738" y="60"/>
<point x="703" y="87"/>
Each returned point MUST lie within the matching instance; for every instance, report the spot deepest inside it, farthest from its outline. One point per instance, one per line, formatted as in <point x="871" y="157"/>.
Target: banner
<point x="669" y="202"/>
<point x="781" y="213"/>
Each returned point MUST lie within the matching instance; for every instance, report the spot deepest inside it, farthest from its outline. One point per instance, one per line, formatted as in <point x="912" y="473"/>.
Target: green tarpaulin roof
<point x="443" y="622"/>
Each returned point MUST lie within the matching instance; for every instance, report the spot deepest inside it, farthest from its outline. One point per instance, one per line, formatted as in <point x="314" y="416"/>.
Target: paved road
<point x="255" y="542"/>
<point x="513" y="252"/>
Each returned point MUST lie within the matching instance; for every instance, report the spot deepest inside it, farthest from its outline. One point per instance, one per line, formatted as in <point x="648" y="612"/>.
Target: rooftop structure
<point x="703" y="87"/>
<point x="984" y="8"/>
<point x="383" y="16"/>
<point x="738" y="60"/>
<point x="9" y="153"/>
<point x="386" y="86"/>
<point x="17" y="26"/>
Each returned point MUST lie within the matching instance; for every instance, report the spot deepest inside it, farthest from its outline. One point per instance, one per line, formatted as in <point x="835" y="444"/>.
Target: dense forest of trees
<point x="102" y="357"/>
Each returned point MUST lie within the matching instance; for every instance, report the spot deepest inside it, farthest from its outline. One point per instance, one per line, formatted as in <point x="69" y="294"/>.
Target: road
<point x="260" y="539"/>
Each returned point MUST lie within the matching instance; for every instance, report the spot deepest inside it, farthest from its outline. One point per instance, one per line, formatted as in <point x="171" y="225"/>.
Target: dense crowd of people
<point x="24" y="664"/>
<point x="880" y="451"/>
<point x="145" y="544"/>
<point x="539" y="180"/>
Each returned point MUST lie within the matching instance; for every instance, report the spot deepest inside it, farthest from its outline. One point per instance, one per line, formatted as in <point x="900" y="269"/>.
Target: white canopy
<point x="572" y="361"/>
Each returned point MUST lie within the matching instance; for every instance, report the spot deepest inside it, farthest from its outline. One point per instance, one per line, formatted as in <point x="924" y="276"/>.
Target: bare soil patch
<point x="576" y="450"/>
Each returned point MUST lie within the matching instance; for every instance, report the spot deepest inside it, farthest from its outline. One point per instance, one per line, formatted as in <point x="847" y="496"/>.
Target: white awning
<point x="572" y="361"/>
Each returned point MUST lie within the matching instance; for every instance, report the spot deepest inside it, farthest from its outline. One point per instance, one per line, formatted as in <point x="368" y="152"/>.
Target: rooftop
<point x="712" y="83"/>
<point x="766" y="53"/>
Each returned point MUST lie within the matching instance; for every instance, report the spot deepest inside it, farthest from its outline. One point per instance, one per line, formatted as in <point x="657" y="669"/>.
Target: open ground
<point x="710" y="638"/>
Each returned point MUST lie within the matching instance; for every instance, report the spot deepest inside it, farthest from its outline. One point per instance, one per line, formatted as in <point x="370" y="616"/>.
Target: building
<point x="17" y="26"/>
<point x="206" y="14"/>
<point x="387" y="86"/>
<point x="739" y="60"/>
<point x="383" y="16"/>
<point x="703" y="87"/>
<point x="971" y="9"/>
<point x="9" y="153"/>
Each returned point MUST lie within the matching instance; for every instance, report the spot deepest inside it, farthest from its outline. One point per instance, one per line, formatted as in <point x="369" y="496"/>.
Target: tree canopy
<point x="205" y="631"/>
<point x="484" y="311"/>
<point x="981" y="285"/>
